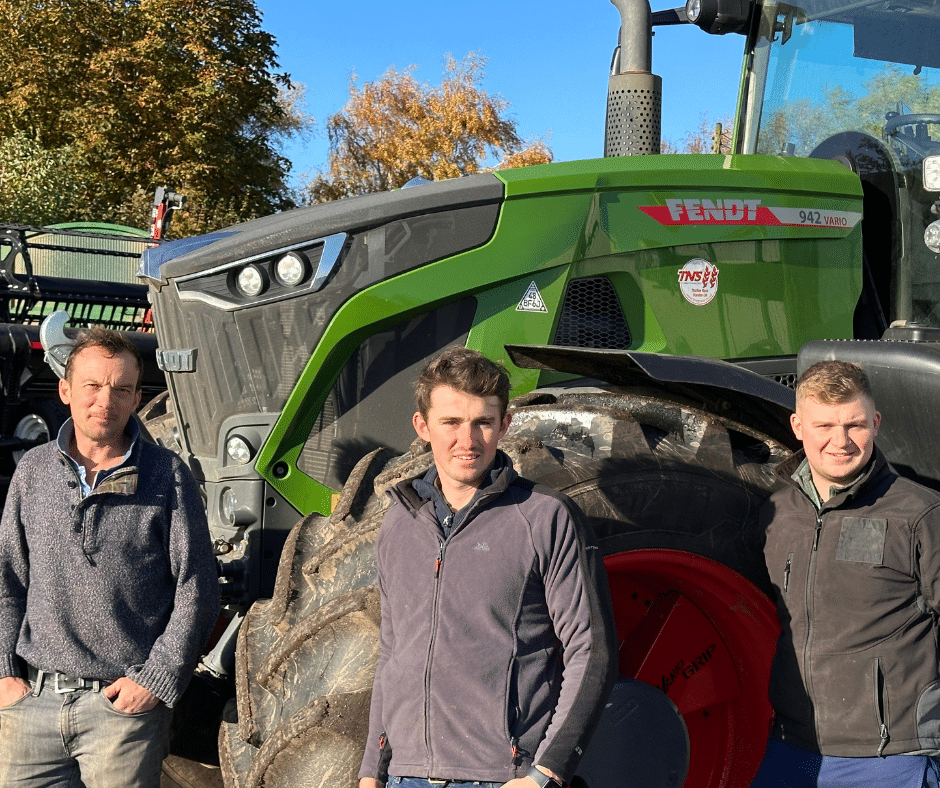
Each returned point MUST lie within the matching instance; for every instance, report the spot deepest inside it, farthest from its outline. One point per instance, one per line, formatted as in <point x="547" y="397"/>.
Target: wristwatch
<point x="543" y="780"/>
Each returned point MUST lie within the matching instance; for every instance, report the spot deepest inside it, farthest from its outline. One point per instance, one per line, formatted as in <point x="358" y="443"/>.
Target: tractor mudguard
<point x="718" y="387"/>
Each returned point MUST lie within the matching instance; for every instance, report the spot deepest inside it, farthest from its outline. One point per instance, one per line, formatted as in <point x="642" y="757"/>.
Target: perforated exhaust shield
<point x="634" y="110"/>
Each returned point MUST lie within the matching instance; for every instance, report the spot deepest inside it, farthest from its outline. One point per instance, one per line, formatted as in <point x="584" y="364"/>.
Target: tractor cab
<point x="858" y="82"/>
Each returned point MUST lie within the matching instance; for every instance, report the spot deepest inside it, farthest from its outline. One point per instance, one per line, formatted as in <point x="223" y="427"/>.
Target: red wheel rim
<point x="705" y="636"/>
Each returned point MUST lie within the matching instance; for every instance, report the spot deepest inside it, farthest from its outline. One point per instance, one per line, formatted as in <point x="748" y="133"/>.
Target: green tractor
<point x="650" y="310"/>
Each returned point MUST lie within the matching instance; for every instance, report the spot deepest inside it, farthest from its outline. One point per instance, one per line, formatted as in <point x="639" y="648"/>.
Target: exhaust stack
<point x="634" y="93"/>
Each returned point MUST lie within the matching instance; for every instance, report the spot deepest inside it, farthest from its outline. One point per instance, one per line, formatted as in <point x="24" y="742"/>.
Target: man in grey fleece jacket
<point x="108" y="588"/>
<point x="497" y="649"/>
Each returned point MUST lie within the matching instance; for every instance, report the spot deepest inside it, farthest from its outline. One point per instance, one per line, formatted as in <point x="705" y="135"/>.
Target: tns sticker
<point x="698" y="281"/>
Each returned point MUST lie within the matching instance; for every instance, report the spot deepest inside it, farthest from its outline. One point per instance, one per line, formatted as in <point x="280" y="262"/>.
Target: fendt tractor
<point x="649" y="308"/>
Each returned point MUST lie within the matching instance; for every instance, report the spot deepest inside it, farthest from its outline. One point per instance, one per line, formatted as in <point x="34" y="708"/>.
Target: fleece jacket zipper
<point x="810" y="585"/>
<point x="435" y="610"/>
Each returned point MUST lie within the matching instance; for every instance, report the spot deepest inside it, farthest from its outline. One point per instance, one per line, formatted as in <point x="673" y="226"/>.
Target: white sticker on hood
<point x="698" y="281"/>
<point x="532" y="300"/>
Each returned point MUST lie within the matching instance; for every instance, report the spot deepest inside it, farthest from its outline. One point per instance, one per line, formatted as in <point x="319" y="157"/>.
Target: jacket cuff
<point x="10" y="666"/>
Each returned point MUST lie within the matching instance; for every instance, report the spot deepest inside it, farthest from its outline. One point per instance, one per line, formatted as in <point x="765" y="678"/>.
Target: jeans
<point x="785" y="766"/>
<point x="78" y="738"/>
<point x="420" y="782"/>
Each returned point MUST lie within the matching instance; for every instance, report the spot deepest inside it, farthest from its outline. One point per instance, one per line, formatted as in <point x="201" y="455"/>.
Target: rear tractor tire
<point x="158" y="419"/>
<point x="673" y="495"/>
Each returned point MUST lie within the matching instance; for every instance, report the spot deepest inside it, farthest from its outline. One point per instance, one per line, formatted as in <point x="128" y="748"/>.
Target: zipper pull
<point x="440" y="559"/>
<point x="786" y="573"/>
<point x="818" y="529"/>
<point x="884" y="739"/>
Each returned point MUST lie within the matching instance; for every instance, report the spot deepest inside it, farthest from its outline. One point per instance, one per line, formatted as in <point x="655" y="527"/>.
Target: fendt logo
<point x="733" y="210"/>
<point x="713" y="211"/>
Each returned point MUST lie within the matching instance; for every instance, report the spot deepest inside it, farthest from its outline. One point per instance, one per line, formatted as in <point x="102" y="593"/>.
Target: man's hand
<point x="128" y="696"/>
<point x="12" y="688"/>
<point x="369" y="782"/>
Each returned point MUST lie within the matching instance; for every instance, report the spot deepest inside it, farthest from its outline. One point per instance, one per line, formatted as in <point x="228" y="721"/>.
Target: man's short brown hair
<point x="111" y="342"/>
<point x="833" y="383"/>
<point x="466" y="371"/>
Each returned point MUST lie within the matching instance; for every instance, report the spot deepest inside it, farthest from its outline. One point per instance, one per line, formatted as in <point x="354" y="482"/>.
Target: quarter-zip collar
<point x="115" y="479"/>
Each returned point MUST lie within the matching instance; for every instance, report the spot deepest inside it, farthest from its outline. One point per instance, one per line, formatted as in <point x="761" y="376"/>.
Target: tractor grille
<point x="591" y="316"/>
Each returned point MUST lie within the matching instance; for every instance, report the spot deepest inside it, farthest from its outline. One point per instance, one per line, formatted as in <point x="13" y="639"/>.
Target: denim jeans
<point x="420" y="782"/>
<point x="785" y="766"/>
<point x="72" y="739"/>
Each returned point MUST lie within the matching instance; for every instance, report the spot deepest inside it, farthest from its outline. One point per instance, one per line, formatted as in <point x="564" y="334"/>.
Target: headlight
<point x="932" y="173"/>
<point x="719" y="16"/>
<point x="251" y="281"/>
<point x="228" y="505"/>
<point x="238" y="450"/>
<point x="292" y="269"/>
<point x="932" y="237"/>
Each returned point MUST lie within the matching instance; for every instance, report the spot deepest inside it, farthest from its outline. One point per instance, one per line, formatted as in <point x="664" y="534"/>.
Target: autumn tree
<point x="396" y="128"/>
<point x="144" y="93"/>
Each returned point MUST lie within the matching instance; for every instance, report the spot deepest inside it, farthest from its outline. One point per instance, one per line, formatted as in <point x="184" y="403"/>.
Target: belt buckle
<point x="71" y="684"/>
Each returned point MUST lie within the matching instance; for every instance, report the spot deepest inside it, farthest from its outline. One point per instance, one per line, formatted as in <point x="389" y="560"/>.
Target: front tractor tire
<point x="673" y="495"/>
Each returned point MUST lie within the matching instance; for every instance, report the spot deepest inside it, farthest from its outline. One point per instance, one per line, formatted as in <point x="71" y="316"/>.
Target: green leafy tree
<point x="151" y="92"/>
<point x="37" y="186"/>
<point x="396" y="128"/>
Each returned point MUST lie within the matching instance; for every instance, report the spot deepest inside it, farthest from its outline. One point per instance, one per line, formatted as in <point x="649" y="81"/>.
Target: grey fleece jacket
<point x="498" y="647"/>
<point x="119" y="583"/>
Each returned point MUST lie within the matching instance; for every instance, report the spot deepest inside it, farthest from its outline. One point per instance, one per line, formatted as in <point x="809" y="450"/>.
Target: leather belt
<point x="62" y="683"/>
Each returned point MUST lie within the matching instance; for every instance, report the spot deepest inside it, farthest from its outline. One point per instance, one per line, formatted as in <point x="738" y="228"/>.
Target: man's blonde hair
<point x="833" y="383"/>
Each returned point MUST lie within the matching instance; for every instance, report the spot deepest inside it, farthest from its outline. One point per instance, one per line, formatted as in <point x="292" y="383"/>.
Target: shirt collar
<point x="803" y="476"/>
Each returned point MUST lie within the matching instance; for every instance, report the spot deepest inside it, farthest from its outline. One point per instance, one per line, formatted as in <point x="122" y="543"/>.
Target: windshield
<point x="860" y="82"/>
<point x="835" y="67"/>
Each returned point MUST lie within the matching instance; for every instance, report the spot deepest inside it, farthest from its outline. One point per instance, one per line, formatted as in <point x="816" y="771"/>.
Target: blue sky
<point x="549" y="60"/>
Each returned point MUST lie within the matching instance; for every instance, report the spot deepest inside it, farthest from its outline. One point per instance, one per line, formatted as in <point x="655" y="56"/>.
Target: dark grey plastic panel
<point x="281" y="230"/>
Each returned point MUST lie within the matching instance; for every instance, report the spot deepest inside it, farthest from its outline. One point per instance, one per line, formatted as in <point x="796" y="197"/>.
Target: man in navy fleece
<point x="498" y="649"/>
